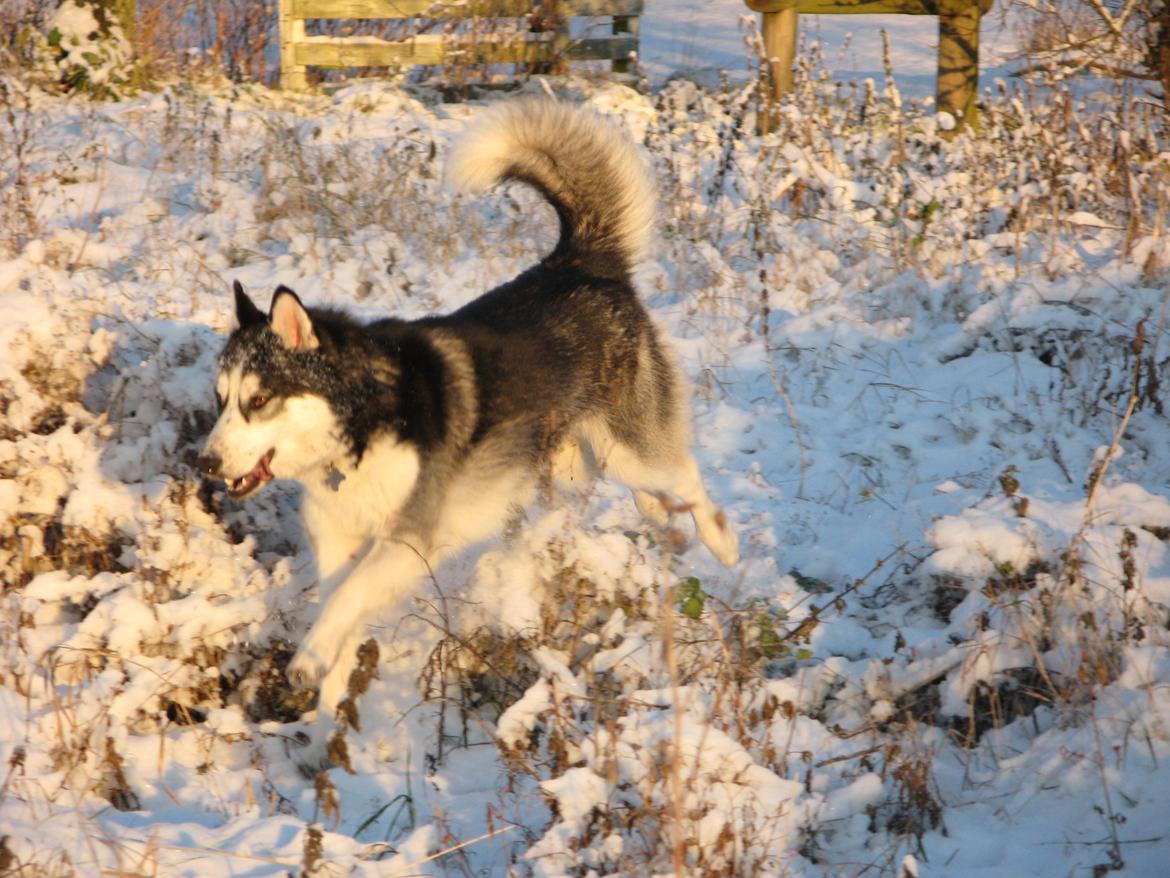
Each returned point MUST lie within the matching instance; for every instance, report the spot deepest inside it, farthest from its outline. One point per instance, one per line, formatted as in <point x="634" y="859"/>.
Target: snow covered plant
<point x="91" y="51"/>
<point x="1121" y="39"/>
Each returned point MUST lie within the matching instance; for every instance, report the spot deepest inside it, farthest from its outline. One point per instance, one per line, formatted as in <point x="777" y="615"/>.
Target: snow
<point x="945" y="650"/>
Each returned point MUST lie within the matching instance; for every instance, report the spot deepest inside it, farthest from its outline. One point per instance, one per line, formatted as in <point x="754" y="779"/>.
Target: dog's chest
<point x="364" y="500"/>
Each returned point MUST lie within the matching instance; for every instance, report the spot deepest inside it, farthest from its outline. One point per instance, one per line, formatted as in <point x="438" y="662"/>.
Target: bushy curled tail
<point x="582" y="163"/>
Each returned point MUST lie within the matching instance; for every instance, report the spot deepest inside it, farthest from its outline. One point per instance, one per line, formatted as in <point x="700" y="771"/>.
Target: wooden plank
<point x="442" y="9"/>
<point x="370" y="52"/>
<point x="847" y="7"/>
<point x="957" y="87"/>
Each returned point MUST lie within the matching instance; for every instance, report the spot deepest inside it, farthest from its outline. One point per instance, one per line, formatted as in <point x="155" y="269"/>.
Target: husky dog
<point x="414" y="439"/>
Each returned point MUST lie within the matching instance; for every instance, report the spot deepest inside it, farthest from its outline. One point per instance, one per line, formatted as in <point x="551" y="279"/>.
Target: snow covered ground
<point x="927" y="389"/>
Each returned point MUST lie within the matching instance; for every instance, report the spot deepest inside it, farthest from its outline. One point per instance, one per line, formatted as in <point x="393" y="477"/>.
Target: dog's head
<point x="274" y="417"/>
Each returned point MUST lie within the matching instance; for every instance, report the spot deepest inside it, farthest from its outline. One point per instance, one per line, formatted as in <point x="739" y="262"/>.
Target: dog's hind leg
<point x="652" y="507"/>
<point x="710" y="520"/>
<point x="679" y="477"/>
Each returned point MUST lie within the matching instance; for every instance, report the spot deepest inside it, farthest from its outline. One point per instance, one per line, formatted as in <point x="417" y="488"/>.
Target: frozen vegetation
<point x="928" y="389"/>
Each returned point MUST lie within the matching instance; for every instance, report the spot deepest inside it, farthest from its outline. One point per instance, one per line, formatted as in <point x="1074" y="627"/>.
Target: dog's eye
<point x="258" y="402"/>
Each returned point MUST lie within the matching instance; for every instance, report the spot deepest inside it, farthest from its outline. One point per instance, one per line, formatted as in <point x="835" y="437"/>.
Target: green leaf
<point x="691" y="598"/>
<point x="809" y="583"/>
<point x="769" y="643"/>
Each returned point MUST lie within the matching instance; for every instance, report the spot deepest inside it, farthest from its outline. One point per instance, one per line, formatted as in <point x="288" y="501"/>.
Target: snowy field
<point x="927" y="388"/>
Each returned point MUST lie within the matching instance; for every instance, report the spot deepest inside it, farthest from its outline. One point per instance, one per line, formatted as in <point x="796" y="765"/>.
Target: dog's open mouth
<point x="246" y="484"/>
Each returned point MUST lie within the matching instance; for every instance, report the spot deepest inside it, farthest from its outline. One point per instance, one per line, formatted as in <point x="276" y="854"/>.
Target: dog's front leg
<point x="336" y="549"/>
<point x="389" y="570"/>
<point x="383" y="575"/>
<point x="334" y="685"/>
<point x="337" y="555"/>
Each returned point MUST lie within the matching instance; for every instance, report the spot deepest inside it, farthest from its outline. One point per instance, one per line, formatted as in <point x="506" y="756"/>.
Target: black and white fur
<point x="415" y="439"/>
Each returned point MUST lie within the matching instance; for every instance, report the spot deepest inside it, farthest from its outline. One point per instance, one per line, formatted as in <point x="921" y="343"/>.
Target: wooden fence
<point x="957" y="86"/>
<point x="528" y="41"/>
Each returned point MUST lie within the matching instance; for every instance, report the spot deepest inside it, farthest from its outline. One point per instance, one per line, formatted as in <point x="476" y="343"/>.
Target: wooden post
<point x="563" y="15"/>
<point x="958" y="59"/>
<point x="625" y="24"/>
<point x="779" y="33"/>
<point x="549" y="17"/>
<point x="778" y="29"/>
<point x="292" y="31"/>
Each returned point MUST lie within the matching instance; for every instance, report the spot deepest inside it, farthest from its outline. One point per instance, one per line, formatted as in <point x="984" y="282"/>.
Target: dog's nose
<point x="209" y="464"/>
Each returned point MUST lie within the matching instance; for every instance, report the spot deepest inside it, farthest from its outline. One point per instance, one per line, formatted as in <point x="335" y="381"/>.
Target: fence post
<point x="958" y="59"/>
<point x="778" y="29"/>
<point x="625" y="24"/>
<point x="779" y="33"/>
<point x="292" y="30"/>
<point x="563" y="15"/>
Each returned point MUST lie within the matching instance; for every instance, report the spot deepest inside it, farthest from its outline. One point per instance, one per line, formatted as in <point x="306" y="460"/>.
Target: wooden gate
<point x="958" y="41"/>
<point x="528" y="42"/>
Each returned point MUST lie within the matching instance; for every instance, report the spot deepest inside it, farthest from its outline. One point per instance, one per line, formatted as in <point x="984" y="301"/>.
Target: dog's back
<point x="561" y="368"/>
<point x="565" y="354"/>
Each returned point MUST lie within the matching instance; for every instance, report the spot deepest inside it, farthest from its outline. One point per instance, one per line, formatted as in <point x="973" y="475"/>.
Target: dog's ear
<point x="291" y="322"/>
<point x="247" y="313"/>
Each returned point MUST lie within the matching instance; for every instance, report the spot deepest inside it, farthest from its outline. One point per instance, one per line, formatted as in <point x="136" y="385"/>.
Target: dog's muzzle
<point x="211" y="465"/>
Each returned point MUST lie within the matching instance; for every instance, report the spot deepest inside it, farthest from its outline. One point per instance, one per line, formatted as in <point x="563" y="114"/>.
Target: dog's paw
<point x="306" y="668"/>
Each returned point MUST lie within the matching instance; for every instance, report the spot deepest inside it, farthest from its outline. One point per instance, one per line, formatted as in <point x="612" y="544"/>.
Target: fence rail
<point x="299" y="51"/>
